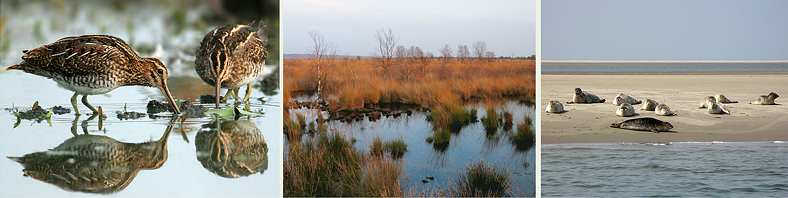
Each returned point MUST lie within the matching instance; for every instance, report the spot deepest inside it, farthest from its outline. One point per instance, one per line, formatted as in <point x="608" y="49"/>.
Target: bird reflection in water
<point x="232" y="148"/>
<point x="95" y="163"/>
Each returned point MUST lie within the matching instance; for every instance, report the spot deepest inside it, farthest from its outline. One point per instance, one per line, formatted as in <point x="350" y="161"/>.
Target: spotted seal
<point x="718" y="108"/>
<point x="554" y="107"/>
<point x="644" y="124"/>
<point x="622" y="97"/>
<point x="765" y="99"/>
<point x="585" y="97"/>
<point x="650" y="105"/>
<point x="625" y="110"/>
<point x="722" y="99"/>
<point x="663" y="110"/>
<point x="707" y="102"/>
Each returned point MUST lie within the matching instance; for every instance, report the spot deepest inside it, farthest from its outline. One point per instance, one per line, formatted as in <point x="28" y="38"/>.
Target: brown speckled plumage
<point x="94" y="64"/>
<point x="94" y="163"/>
<point x="233" y="54"/>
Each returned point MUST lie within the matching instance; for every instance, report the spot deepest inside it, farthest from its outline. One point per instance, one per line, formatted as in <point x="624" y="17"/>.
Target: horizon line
<point x="662" y="62"/>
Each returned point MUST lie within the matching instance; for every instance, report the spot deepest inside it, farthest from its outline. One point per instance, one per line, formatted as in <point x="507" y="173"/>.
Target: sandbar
<point x="589" y="123"/>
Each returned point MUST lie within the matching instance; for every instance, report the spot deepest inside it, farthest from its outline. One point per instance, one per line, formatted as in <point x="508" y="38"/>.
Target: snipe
<point x="232" y="56"/>
<point x="94" y="64"/>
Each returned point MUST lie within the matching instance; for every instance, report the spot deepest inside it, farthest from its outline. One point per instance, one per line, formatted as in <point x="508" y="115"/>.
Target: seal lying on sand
<point x="554" y="107"/>
<point x="644" y="124"/>
<point x="664" y="110"/>
<point x="650" y="105"/>
<point x="722" y="99"/>
<point x="585" y="97"/>
<point x="765" y="100"/>
<point x="707" y="102"/>
<point x="718" y="108"/>
<point x="625" y="98"/>
<point x="625" y="110"/>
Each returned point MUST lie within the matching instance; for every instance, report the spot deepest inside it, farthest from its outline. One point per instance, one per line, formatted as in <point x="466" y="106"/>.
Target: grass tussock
<point x="491" y="121"/>
<point x="525" y="137"/>
<point x="480" y="180"/>
<point x="329" y="166"/>
<point x="396" y="147"/>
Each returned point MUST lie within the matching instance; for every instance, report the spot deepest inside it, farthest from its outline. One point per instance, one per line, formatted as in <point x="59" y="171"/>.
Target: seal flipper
<point x="602" y="101"/>
<point x="654" y="130"/>
<point x="615" y="125"/>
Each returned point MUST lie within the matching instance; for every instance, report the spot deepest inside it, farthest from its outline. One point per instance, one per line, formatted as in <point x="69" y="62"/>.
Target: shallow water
<point x="181" y="175"/>
<point x="687" y="169"/>
<point x="469" y="146"/>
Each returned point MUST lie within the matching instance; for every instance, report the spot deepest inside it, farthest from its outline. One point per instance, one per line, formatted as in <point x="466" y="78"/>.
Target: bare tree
<point x="446" y="53"/>
<point x="479" y="48"/>
<point x="463" y="53"/>
<point x="387" y="44"/>
<point x="489" y="56"/>
<point x="323" y="54"/>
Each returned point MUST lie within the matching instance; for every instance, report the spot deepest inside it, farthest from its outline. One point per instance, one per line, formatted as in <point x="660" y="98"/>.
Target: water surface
<point x="687" y="169"/>
<point x="470" y="145"/>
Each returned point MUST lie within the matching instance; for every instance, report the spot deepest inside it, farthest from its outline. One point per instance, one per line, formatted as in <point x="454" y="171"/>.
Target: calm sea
<point x="689" y="169"/>
<point x="662" y="68"/>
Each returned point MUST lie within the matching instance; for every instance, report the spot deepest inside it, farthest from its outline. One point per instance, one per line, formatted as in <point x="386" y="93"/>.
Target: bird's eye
<point x="160" y="71"/>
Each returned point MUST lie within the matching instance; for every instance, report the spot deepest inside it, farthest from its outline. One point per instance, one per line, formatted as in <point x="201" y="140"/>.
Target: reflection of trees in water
<point x="94" y="163"/>
<point x="236" y="149"/>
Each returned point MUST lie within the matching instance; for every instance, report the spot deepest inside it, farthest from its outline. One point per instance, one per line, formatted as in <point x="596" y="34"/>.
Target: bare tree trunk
<point x="323" y="53"/>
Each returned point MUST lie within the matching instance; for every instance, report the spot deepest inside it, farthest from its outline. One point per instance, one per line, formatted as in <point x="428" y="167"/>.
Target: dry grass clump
<point x="524" y="138"/>
<point x="360" y="81"/>
<point x="480" y="180"/>
<point x="329" y="166"/>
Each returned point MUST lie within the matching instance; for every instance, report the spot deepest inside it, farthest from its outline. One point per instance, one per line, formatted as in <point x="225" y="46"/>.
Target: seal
<point x="650" y="105"/>
<point x="718" y="108"/>
<point x="722" y="99"/>
<point x="765" y="99"/>
<point x="707" y="102"/>
<point x="585" y="97"/>
<point x="625" y="98"/>
<point x="625" y="110"/>
<point x="663" y="110"/>
<point x="619" y="100"/>
<point x="644" y="124"/>
<point x="554" y="107"/>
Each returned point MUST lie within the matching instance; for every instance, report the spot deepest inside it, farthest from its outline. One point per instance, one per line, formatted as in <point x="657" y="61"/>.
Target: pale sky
<point x="507" y="26"/>
<point x="664" y="30"/>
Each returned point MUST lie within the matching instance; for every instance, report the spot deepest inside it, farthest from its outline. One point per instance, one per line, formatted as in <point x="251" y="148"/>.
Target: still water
<point x="687" y="169"/>
<point x="469" y="146"/>
<point x="149" y="156"/>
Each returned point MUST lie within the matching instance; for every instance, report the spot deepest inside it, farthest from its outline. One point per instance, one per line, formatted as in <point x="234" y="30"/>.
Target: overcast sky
<point x="507" y="26"/>
<point x="664" y="30"/>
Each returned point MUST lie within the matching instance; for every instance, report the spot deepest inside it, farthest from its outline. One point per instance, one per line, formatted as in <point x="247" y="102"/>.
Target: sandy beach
<point x="682" y="93"/>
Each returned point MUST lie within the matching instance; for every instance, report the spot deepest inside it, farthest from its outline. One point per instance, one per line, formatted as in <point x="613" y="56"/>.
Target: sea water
<point x="663" y="68"/>
<point x="696" y="169"/>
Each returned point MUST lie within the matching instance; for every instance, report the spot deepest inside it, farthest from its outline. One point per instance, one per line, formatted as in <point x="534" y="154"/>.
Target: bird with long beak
<point x="94" y="64"/>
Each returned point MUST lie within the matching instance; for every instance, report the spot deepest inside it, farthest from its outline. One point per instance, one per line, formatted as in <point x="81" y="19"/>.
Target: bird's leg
<point x="248" y="92"/>
<point x="235" y="93"/>
<point x="74" y="103"/>
<point x="85" y="102"/>
<point x="227" y="95"/>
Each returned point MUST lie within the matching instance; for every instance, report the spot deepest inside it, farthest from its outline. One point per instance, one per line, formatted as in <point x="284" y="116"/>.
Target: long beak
<point x="166" y="92"/>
